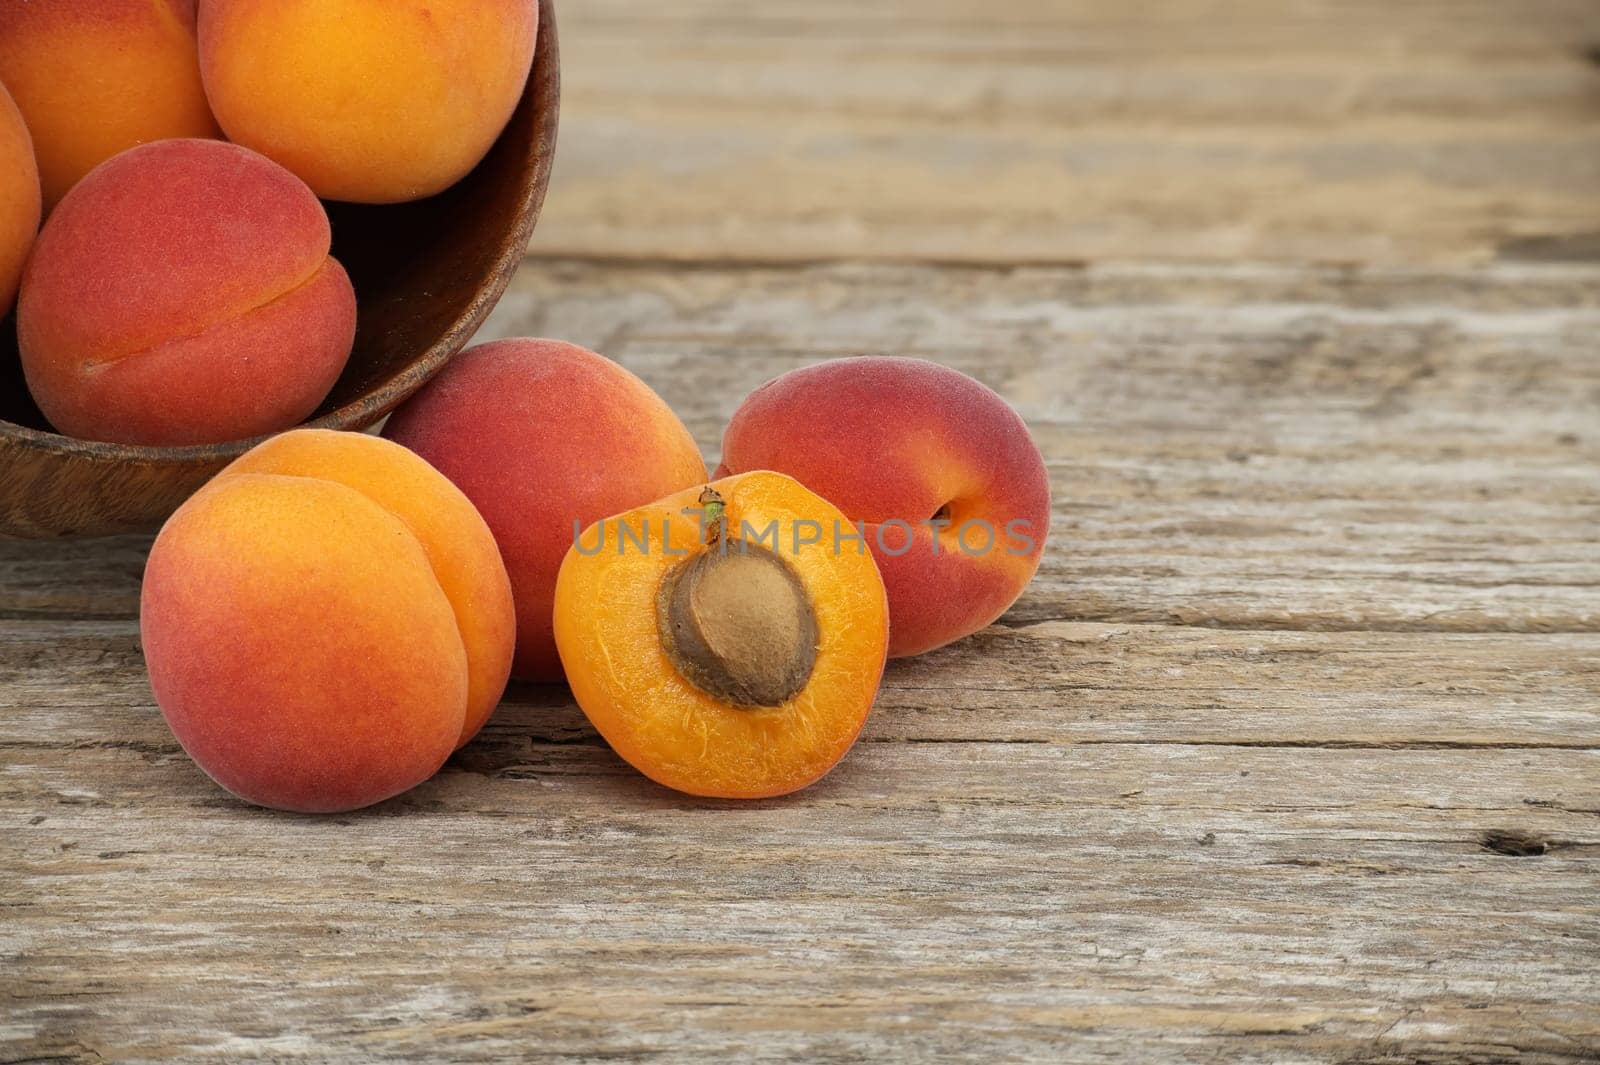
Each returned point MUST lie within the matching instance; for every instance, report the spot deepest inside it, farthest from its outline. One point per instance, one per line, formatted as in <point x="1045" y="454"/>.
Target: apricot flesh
<point x="679" y="729"/>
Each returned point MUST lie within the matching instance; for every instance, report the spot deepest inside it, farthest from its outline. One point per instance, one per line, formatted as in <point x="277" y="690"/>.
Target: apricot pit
<point x="736" y="621"/>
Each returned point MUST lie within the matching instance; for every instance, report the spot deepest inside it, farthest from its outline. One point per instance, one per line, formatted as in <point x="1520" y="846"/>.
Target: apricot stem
<point x="712" y="517"/>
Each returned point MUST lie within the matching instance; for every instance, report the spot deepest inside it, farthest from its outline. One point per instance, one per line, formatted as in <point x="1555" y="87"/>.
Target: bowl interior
<point x="426" y="274"/>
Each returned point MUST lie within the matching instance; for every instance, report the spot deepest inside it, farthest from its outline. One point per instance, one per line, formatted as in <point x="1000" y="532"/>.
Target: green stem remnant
<point x="712" y="517"/>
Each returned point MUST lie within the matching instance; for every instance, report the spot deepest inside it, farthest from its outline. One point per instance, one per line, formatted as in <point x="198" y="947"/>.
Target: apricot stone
<point x="737" y="659"/>
<point x="183" y="293"/>
<point x="545" y="437"/>
<point x="375" y="103"/>
<point x="948" y="485"/>
<point x="325" y="621"/>
<point x="96" y="77"/>
<point x="19" y="199"/>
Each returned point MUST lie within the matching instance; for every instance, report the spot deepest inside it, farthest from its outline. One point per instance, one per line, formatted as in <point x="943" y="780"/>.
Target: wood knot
<point x="1514" y="843"/>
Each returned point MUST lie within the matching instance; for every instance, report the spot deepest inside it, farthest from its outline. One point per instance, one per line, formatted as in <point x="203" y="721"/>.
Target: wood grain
<point x="1292" y="752"/>
<point x="1429" y="131"/>
<point x="1003" y="895"/>
<point x="1299" y="448"/>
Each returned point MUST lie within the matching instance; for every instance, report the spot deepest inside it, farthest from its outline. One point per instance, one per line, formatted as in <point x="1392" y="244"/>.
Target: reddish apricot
<point x="728" y="640"/>
<point x="545" y="437"/>
<point x="949" y="486"/>
<point x="183" y="293"/>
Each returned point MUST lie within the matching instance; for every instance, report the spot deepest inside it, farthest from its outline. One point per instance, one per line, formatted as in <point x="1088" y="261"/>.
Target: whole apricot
<point x="97" y="77"/>
<point x="183" y="293"/>
<point x="19" y="199"/>
<point x="727" y="640"/>
<point x="545" y="437"/>
<point x="947" y="483"/>
<point x="375" y="103"/>
<point x="325" y="621"/>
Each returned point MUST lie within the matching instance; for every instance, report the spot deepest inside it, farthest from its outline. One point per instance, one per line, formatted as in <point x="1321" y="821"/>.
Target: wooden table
<point x="1290" y="753"/>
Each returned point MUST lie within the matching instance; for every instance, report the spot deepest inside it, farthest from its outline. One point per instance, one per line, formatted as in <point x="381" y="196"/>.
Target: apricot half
<point x="726" y="641"/>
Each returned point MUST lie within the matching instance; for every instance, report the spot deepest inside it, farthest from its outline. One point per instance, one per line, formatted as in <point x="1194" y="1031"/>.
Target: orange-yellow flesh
<point x="607" y="632"/>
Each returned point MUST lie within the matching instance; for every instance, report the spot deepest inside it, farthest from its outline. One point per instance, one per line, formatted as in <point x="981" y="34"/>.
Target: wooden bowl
<point x="426" y="275"/>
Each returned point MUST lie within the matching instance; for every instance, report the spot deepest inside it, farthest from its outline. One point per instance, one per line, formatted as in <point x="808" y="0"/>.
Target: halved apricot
<point x="726" y="641"/>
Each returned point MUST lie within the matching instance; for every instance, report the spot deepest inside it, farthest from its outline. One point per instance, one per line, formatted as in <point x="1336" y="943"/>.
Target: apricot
<point x="96" y="77"/>
<point x="182" y="293"/>
<point x="374" y="103"/>
<point x="545" y="437"/>
<point x="19" y="199"/>
<point x="325" y="622"/>
<point x="948" y="485"/>
<point x="726" y="641"/>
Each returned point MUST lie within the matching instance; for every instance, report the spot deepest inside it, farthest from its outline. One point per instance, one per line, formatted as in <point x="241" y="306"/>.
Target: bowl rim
<point x="544" y="86"/>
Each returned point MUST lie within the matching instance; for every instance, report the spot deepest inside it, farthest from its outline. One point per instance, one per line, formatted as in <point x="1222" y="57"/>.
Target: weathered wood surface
<point x="1290" y="754"/>
<point x="1246" y="776"/>
<point x="1440" y="131"/>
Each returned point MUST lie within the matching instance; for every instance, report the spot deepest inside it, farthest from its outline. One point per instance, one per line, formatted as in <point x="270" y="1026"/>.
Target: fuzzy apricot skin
<point x="96" y="77"/>
<point x="183" y="293"/>
<point x="545" y="437"/>
<point x="375" y="103"/>
<point x="324" y="622"/>
<point x="19" y="199"/>
<point x="658" y="721"/>
<point x="897" y="439"/>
